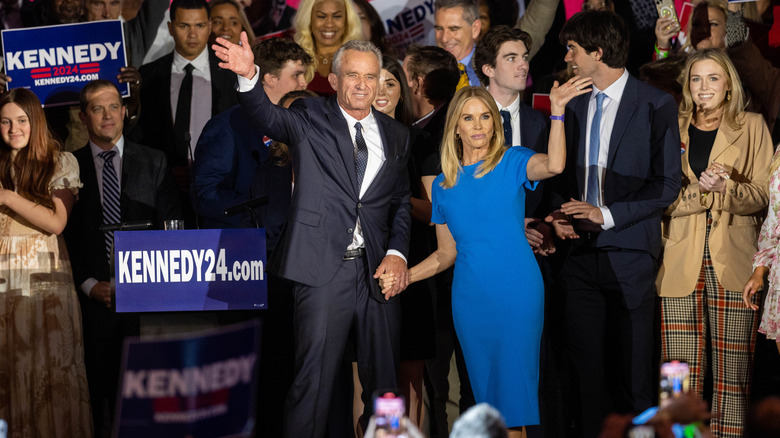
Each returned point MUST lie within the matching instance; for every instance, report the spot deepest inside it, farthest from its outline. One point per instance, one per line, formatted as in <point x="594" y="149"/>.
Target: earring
<point x="728" y="95"/>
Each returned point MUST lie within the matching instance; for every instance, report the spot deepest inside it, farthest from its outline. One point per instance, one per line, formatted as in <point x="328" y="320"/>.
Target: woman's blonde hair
<point x="302" y="25"/>
<point x="734" y="105"/>
<point x="452" y="145"/>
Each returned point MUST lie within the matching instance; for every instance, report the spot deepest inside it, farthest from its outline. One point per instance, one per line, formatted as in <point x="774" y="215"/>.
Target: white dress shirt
<point x="514" y="117"/>
<point x="89" y="283"/>
<point x="609" y="109"/>
<point x="200" y="108"/>
<point x="376" y="154"/>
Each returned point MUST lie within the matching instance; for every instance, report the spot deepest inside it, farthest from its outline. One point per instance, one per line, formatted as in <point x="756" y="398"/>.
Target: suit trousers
<point x="715" y="314"/>
<point x="323" y="318"/>
<point x="610" y="305"/>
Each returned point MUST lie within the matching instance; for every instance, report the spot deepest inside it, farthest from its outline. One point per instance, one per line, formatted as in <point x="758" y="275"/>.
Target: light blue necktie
<point x="592" y="197"/>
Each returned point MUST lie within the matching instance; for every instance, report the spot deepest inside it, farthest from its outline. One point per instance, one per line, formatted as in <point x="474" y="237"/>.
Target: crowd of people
<point x="418" y="209"/>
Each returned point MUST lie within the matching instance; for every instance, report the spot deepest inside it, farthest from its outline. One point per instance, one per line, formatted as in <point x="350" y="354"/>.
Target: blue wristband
<point x="557" y="117"/>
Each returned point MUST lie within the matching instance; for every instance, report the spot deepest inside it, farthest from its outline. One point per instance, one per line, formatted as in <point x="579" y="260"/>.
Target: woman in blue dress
<point x="478" y="206"/>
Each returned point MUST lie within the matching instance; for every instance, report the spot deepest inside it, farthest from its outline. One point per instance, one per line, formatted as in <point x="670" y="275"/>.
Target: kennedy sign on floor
<point x="197" y="387"/>
<point x="55" y="62"/>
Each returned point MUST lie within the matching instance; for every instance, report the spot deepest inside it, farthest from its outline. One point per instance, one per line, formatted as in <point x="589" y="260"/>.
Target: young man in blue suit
<point x="230" y="148"/>
<point x="623" y="170"/>
<point x="349" y="222"/>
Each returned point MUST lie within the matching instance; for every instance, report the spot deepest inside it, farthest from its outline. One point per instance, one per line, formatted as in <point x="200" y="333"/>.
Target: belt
<point x="352" y="254"/>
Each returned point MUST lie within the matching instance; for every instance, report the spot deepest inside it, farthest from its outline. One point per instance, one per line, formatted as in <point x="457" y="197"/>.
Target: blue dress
<point x="497" y="290"/>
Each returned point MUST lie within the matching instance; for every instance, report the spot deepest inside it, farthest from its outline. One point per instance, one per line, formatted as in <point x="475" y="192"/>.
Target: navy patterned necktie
<point x="111" y="210"/>
<point x="507" y="127"/>
<point x="361" y="155"/>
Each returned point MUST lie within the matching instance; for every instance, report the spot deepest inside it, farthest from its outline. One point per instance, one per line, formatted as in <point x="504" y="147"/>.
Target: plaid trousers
<point x="715" y="314"/>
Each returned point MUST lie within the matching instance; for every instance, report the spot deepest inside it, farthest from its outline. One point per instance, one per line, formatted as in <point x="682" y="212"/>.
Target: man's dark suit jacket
<point x="643" y="173"/>
<point x="326" y="202"/>
<point x="155" y="127"/>
<point x="228" y="152"/>
<point x="533" y="135"/>
<point x="148" y="192"/>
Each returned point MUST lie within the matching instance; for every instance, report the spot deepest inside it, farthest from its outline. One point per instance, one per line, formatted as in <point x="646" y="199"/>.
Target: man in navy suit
<point x="349" y="221"/>
<point x="501" y="60"/>
<point x="623" y="170"/>
<point x="229" y="149"/>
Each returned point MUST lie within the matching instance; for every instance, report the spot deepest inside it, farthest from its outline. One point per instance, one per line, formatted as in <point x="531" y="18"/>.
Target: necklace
<point x="325" y="59"/>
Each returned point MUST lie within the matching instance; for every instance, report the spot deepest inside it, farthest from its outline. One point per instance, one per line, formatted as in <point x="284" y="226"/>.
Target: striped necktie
<point x="111" y="210"/>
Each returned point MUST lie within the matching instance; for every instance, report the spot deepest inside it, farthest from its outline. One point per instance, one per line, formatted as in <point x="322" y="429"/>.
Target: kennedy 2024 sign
<point x="55" y="62"/>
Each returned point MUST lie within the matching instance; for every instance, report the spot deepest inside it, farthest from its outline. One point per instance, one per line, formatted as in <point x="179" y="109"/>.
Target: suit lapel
<point x="581" y="109"/>
<point x="525" y="135"/>
<point x="625" y="111"/>
<point x="725" y="137"/>
<point x="165" y="84"/>
<point x="383" y="125"/>
<point x="344" y="140"/>
<point x="129" y="168"/>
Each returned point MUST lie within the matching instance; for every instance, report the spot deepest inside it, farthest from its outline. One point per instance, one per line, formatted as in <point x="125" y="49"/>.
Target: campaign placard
<point x="55" y="62"/>
<point x="190" y="270"/>
<point x="189" y="386"/>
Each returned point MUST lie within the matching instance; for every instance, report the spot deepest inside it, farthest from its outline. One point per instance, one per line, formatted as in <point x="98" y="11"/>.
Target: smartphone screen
<point x="674" y="381"/>
<point x="388" y="410"/>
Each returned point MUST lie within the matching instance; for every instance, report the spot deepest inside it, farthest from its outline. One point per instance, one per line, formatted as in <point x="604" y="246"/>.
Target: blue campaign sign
<point x="186" y="270"/>
<point x="199" y="387"/>
<point x="55" y="62"/>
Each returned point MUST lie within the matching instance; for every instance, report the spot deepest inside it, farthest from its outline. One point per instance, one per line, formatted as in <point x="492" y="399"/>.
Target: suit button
<point x="350" y="230"/>
<point x="359" y="205"/>
<point x="715" y="224"/>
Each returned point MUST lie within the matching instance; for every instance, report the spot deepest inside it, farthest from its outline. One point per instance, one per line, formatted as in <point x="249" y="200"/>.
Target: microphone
<point x="127" y="226"/>
<point x="246" y="205"/>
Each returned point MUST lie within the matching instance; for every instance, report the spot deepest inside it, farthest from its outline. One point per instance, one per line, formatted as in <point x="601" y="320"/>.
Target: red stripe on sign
<point x="41" y="76"/>
<point x="416" y="30"/>
<point x="41" y="70"/>
<point x="83" y="70"/>
<point x="89" y="65"/>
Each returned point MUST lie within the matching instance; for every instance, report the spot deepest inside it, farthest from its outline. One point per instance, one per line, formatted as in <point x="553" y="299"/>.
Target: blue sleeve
<point x="517" y="164"/>
<point x="437" y="210"/>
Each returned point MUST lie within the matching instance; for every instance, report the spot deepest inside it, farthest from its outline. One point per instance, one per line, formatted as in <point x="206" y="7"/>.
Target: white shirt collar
<point x="365" y="122"/>
<point x="513" y="108"/>
<point x="119" y="146"/>
<point x="615" y="90"/>
<point x="201" y="63"/>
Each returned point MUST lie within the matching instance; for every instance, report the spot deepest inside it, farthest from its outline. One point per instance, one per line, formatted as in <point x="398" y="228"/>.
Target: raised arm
<point x="543" y="166"/>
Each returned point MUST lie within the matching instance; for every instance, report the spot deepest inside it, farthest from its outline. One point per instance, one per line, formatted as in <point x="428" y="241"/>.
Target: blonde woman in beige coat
<point x="710" y="235"/>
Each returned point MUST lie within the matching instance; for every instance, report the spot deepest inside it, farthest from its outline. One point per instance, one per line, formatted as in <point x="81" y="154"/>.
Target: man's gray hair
<point x="480" y="421"/>
<point x="470" y="8"/>
<point x="360" y="46"/>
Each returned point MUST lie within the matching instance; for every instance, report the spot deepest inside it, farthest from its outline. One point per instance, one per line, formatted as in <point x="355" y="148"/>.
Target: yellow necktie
<point x="464" y="78"/>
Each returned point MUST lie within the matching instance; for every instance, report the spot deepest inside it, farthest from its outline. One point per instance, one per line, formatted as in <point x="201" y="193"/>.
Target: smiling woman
<point x="43" y="384"/>
<point x="228" y="20"/>
<point x="711" y="233"/>
<point x="321" y="27"/>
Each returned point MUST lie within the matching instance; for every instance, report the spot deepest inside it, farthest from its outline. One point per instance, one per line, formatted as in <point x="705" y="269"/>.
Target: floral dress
<point x="43" y="382"/>
<point x="768" y="247"/>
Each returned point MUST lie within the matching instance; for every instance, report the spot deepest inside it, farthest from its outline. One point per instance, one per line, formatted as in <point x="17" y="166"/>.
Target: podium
<point x="189" y="270"/>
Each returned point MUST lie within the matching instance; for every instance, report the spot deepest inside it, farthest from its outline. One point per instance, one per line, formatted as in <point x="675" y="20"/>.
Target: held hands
<point x="236" y="58"/>
<point x="665" y="30"/>
<point x="560" y="95"/>
<point x="4" y="80"/>
<point x="540" y="236"/>
<point x="393" y="275"/>
<point x="713" y="179"/>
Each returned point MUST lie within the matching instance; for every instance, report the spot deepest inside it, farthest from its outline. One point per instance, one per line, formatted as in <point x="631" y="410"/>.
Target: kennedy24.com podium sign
<point x="190" y="270"/>
<point x="55" y="62"/>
